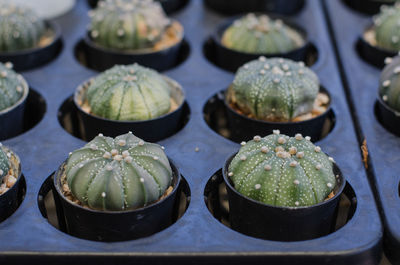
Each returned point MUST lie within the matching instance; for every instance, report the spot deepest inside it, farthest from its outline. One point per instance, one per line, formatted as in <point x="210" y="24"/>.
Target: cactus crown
<point x="274" y="89"/>
<point x="386" y="27"/>
<point x="20" y="27"/>
<point x="260" y="34"/>
<point x="12" y="86"/>
<point x="389" y="88"/>
<point x="130" y="92"/>
<point x="282" y="171"/>
<point x="118" y="174"/>
<point x="4" y="164"/>
<point x="128" y="24"/>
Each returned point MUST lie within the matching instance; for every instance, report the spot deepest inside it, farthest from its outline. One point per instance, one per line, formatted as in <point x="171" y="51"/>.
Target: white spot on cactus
<point x="141" y="143"/>
<point x="3" y="74"/>
<point x="279" y="149"/>
<point x="318" y="166"/>
<point x="246" y="66"/>
<point x="296" y="203"/>
<point x="128" y="159"/>
<point x="257" y="138"/>
<point x="1" y="172"/>
<point x="257" y="186"/>
<point x="386" y="83"/>
<point x="331" y="159"/>
<point x="264" y="149"/>
<point x="93" y="147"/>
<point x="120" y="32"/>
<point x="9" y="65"/>
<point x="121" y="142"/>
<point x="388" y="60"/>
<point x="267" y="167"/>
<point x="292" y="150"/>
<point x="281" y="140"/>
<point x="103" y="194"/>
<point x="396" y="70"/>
<point x="230" y="174"/>
<point x="16" y="34"/>
<point x="162" y="147"/>
<point x="9" y="155"/>
<point x="109" y="167"/>
<point x="94" y="33"/>
<point x="114" y="152"/>
<point x="243" y="143"/>
<point x="262" y="59"/>
<point x="285" y="67"/>
<point x="262" y="72"/>
<point x="70" y="153"/>
<point x="301" y="71"/>
<point x="329" y="185"/>
<point x="142" y="180"/>
<point x="266" y="66"/>
<point x="300" y="155"/>
<point x="317" y="149"/>
<point x="155" y="157"/>
<point x="118" y="158"/>
<point x="19" y="89"/>
<point x="101" y="135"/>
<point x="80" y="166"/>
<point x="243" y="158"/>
<point x="276" y="80"/>
<point x="125" y="153"/>
<point x="276" y="132"/>
<point x="301" y="64"/>
<point x="385" y="98"/>
<point x="293" y="164"/>
<point x="308" y="138"/>
<point x="296" y="182"/>
<point x="395" y="39"/>
<point x="107" y="155"/>
<point x="298" y="137"/>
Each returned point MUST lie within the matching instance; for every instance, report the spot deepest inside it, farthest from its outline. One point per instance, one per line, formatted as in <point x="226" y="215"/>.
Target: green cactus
<point x="282" y="171"/>
<point x="130" y="92"/>
<point x="259" y="34"/>
<point x="20" y="27"/>
<point x="128" y="24"/>
<point x="4" y="163"/>
<point x="118" y="174"/>
<point x="274" y="89"/>
<point x="386" y="25"/>
<point x="12" y="86"/>
<point x="389" y="89"/>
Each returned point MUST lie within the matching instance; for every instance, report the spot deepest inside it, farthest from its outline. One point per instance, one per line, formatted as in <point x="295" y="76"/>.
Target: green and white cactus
<point x="128" y="24"/>
<point x="282" y="171"/>
<point x="20" y="27"/>
<point x="130" y="92"/>
<point x="274" y="89"/>
<point x="4" y="164"/>
<point x="12" y="86"/>
<point x="118" y="174"/>
<point x="389" y="89"/>
<point x="259" y="34"/>
<point x="386" y="25"/>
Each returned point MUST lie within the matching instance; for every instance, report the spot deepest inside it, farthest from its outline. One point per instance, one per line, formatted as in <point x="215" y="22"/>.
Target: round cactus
<point x="274" y="89"/>
<point x="389" y="89"/>
<point x="261" y="35"/>
<point x="282" y="171"/>
<point x="128" y="24"/>
<point x="20" y="27"/>
<point x="12" y="86"/>
<point x="4" y="164"/>
<point x="386" y="25"/>
<point x="130" y="92"/>
<point x="118" y="174"/>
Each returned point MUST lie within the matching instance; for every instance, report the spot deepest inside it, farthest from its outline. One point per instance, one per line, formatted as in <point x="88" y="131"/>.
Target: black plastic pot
<point x="169" y="6"/>
<point x="9" y="201"/>
<point x="388" y="117"/>
<point x="35" y="57"/>
<point x="366" y="6"/>
<point x="243" y="128"/>
<point x="152" y="130"/>
<point x="231" y="60"/>
<point x="264" y="221"/>
<point x="231" y="7"/>
<point x="101" y="58"/>
<point x="115" y="225"/>
<point x="12" y="118"/>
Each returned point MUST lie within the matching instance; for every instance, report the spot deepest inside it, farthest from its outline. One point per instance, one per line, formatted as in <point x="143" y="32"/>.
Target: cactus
<point x="282" y="171"/>
<point x="128" y="24"/>
<point x="274" y="89"/>
<point x="118" y="174"/>
<point x="261" y="35"/>
<point x="20" y="27"/>
<point x="386" y="25"/>
<point x="389" y="89"/>
<point x="4" y="164"/>
<point x="12" y="86"/>
<point x="130" y="92"/>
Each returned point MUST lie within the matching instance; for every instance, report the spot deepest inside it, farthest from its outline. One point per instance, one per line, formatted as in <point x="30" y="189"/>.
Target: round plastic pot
<point x="152" y="130"/>
<point x="264" y="221"/>
<point x="231" y="60"/>
<point x="9" y="201"/>
<point x="285" y="7"/>
<point x="389" y="118"/>
<point x="115" y="225"/>
<point x="366" y="6"/>
<point x="101" y="59"/>
<point x="12" y="118"/>
<point x="244" y="128"/>
<point x="35" y="57"/>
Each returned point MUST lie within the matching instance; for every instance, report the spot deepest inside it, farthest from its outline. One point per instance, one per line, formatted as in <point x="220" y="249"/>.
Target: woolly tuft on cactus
<point x="12" y="86"/>
<point x="274" y="89"/>
<point x="132" y="25"/>
<point x="20" y="27"/>
<point x="282" y="171"/>
<point x="118" y="174"/>
<point x="386" y="25"/>
<point x="130" y="92"/>
<point x="260" y="34"/>
<point x="389" y="89"/>
<point x="4" y="164"/>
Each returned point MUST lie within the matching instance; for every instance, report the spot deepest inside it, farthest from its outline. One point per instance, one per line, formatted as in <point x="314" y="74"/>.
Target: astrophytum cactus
<point x="128" y="24"/>
<point x="12" y="86"/>
<point x="4" y="164"/>
<point x="131" y="92"/>
<point x="118" y="174"/>
<point x="274" y="89"/>
<point x="387" y="27"/>
<point x="20" y="27"/>
<point x="389" y="89"/>
<point x="282" y="171"/>
<point x="260" y="34"/>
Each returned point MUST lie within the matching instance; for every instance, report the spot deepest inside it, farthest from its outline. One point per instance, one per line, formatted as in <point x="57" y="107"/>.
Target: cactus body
<point x="261" y="35"/>
<point x="118" y="174"/>
<point x="12" y="86"/>
<point x="389" y="89"/>
<point x="4" y="164"/>
<point x="274" y="89"/>
<point x="282" y="171"/>
<point x="128" y="24"/>
<point x="129" y="92"/>
<point x="387" y="31"/>
<point x="20" y="27"/>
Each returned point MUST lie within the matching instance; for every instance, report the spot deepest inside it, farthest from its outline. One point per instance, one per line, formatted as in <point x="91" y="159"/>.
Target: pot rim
<point x="6" y="149"/>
